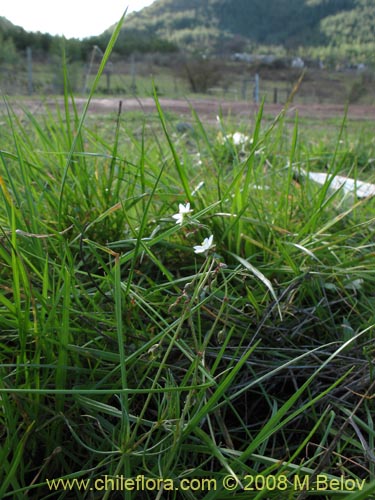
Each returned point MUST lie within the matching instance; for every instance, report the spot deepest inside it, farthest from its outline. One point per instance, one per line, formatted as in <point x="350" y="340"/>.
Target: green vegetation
<point x="342" y="30"/>
<point x="124" y="352"/>
<point x="188" y="46"/>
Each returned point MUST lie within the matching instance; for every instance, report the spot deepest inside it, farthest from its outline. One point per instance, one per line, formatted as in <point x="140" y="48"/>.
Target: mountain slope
<point x="198" y="24"/>
<point x="357" y="24"/>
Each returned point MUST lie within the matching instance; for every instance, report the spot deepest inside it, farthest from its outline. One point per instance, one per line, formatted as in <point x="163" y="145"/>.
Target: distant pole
<point x="133" y="74"/>
<point x="275" y="95"/>
<point x="108" y="72"/>
<point x="256" y="89"/>
<point x="85" y="85"/>
<point x="244" y="89"/>
<point x="29" y="55"/>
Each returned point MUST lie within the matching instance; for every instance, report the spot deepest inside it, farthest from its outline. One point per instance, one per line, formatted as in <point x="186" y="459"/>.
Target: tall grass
<point x="124" y="352"/>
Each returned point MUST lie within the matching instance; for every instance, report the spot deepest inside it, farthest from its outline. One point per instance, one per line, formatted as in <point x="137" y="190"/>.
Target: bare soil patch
<point x="210" y="108"/>
<point x="205" y="108"/>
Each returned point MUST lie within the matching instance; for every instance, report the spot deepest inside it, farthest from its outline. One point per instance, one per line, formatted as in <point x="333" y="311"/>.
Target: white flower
<point x="206" y="245"/>
<point x="182" y="210"/>
<point x="239" y="139"/>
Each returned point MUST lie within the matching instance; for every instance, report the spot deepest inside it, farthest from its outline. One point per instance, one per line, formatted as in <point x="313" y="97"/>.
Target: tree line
<point x="334" y="28"/>
<point x="14" y="41"/>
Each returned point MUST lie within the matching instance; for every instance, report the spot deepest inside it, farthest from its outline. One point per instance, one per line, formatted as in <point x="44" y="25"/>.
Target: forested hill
<point x="322" y="28"/>
<point x="287" y="23"/>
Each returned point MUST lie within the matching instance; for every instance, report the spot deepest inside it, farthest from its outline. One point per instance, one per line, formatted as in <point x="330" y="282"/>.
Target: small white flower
<point x="182" y="210"/>
<point x="239" y="139"/>
<point x="206" y="245"/>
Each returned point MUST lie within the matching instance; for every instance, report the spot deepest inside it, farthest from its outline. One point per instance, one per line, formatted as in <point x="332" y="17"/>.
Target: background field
<point x="219" y="79"/>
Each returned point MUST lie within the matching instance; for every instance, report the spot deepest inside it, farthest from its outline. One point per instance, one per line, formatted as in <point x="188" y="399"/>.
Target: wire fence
<point x="129" y="77"/>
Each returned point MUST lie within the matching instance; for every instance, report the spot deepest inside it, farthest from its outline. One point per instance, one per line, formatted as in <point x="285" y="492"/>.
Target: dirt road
<point x="206" y="108"/>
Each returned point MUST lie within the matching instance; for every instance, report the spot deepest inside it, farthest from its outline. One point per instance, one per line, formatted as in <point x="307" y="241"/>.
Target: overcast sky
<point x="71" y="18"/>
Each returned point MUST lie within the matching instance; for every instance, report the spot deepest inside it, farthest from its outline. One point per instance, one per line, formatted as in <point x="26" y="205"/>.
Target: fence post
<point x="89" y="70"/>
<point x="244" y="89"/>
<point x="108" y="73"/>
<point x="256" y="89"/>
<point x="133" y="72"/>
<point x="275" y="95"/>
<point x="29" y="55"/>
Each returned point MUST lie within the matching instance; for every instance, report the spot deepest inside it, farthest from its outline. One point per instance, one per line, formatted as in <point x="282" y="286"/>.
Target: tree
<point x="8" y="51"/>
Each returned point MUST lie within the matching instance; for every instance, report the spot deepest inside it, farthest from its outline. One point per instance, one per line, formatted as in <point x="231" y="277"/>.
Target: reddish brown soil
<point x="209" y="108"/>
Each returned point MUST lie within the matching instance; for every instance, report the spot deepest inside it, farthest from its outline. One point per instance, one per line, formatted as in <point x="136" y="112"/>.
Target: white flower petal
<point x="179" y="218"/>
<point x="182" y="210"/>
<point x="206" y="245"/>
<point x="239" y="138"/>
<point x="199" y="249"/>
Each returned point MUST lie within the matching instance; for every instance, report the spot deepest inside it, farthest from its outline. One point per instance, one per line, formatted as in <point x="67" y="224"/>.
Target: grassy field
<point x="177" y="307"/>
